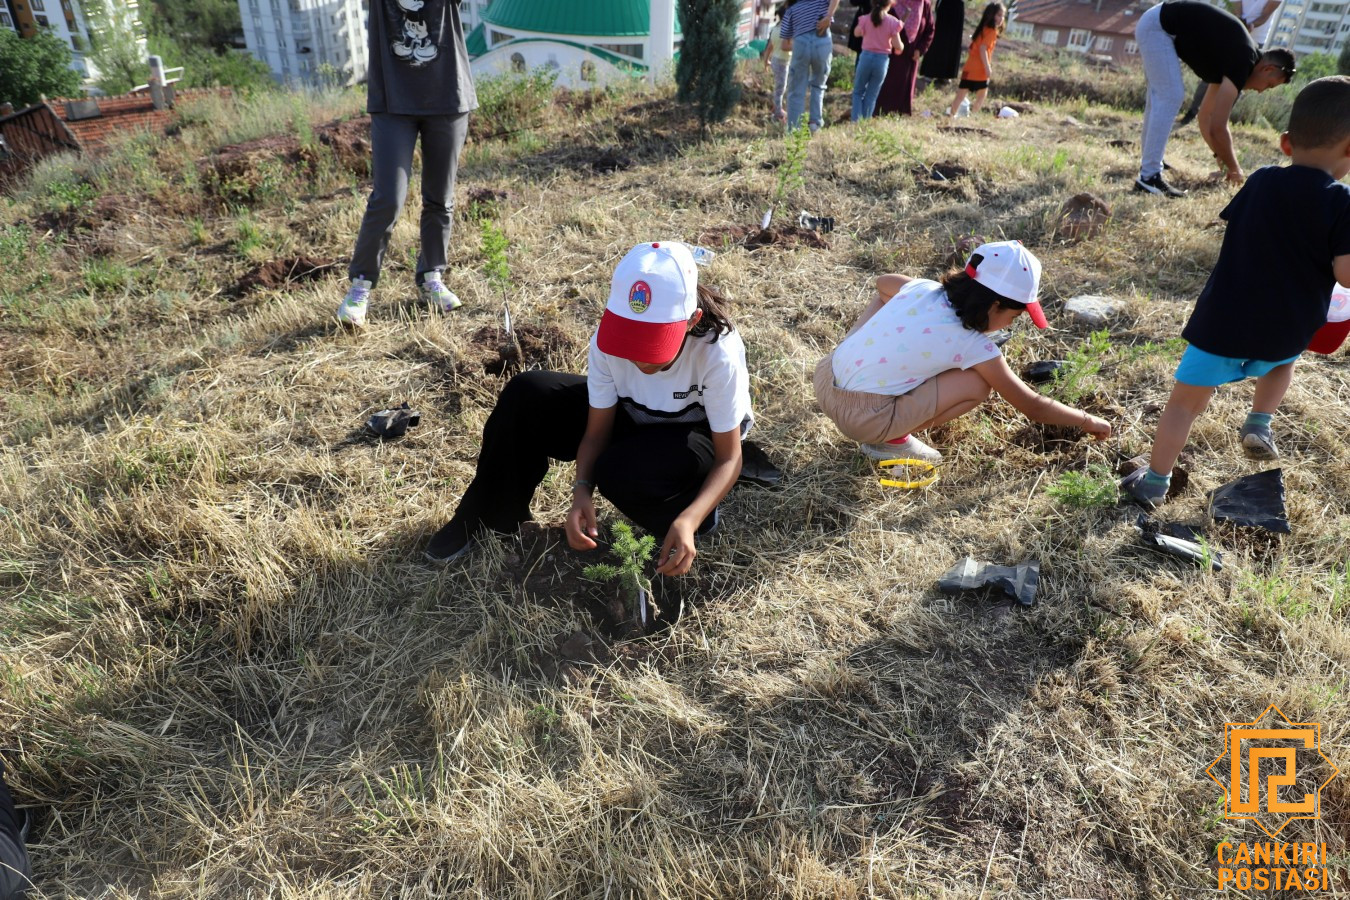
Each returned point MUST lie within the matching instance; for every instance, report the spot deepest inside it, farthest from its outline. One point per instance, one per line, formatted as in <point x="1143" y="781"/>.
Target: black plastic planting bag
<point x="1178" y="540"/>
<point x="392" y="423"/>
<point x="756" y="468"/>
<point x="1019" y="581"/>
<point x="1255" y="500"/>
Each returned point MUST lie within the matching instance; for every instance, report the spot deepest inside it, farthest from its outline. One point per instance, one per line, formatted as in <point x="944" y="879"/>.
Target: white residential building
<point x="71" y="22"/>
<point x="303" y="40"/>
<point x="1312" y="26"/>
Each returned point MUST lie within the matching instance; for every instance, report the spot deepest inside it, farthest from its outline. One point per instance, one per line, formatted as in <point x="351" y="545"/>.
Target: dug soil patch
<point x="533" y="346"/>
<point x="752" y="237"/>
<point x="279" y="273"/>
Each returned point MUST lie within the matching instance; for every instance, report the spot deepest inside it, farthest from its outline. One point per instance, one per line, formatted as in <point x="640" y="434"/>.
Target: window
<point x="1024" y="31"/>
<point x="1079" y="39"/>
<point x="633" y="50"/>
<point x="1131" y="48"/>
<point x="1050" y="36"/>
<point x="38" y="5"/>
<point x="42" y="21"/>
<point x="1103" y="44"/>
<point x="497" y="37"/>
<point x="5" y="20"/>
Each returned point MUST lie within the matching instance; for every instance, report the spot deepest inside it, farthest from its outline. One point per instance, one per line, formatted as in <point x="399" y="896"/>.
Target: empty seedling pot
<point x="1019" y="581"/>
<point x="1253" y="500"/>
<point x="1176" y="539"/>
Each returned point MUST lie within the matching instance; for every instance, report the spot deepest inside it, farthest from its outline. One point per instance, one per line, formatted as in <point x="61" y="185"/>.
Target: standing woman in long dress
<point x="897" y="91"/>
<point x="942" y="62"/>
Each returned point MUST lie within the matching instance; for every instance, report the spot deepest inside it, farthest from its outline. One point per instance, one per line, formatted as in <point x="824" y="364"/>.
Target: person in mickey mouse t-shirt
<point x="655" y="426"/>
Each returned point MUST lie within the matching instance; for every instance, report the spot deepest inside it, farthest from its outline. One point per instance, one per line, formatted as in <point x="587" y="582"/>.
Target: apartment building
<point x="305" y="42"/>
<point x="74" y="22"/>
<point x="1312" y="26"/>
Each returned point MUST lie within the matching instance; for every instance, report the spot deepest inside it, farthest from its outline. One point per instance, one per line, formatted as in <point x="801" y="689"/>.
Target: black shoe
<point x="1155" y="184"/>
<point x="709" y="525"/>
<point x="448" y="544"/>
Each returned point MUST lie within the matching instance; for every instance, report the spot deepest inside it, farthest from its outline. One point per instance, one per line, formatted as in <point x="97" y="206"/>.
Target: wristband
<point x="583" y="483"/>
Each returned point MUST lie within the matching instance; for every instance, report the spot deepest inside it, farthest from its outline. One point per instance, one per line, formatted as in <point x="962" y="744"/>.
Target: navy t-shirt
<point x="419" y="65"/>
<point x="1212" y="41"/>
<point x="1270" y="289"/>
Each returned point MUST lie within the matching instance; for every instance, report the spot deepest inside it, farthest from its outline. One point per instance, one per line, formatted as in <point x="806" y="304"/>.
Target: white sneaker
<point x="437" y="295"/>
<point x="352" y="311"/>
<point x="912" y="448"/>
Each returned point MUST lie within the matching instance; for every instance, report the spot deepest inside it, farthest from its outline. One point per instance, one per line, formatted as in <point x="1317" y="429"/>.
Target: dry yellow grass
<point x="228" y="673"/>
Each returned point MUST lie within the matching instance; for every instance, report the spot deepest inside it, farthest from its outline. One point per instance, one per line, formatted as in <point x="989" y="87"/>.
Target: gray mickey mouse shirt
<point x="419" y="65"/>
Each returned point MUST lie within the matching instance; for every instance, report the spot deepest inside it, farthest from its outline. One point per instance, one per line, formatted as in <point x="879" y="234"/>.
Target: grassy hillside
<point x="227" y="671"/>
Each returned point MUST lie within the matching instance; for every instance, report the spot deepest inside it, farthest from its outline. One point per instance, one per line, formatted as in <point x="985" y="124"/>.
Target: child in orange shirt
<point x="975" y="76"/>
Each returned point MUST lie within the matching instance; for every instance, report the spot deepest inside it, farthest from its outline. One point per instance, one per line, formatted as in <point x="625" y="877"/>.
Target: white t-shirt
<point x="913" y="337"/>
<point x="708" y="382"/>
<point x="1250" y="10"/>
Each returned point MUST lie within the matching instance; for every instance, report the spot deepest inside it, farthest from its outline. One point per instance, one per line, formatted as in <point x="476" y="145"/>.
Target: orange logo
<point x="1293" y="750"/>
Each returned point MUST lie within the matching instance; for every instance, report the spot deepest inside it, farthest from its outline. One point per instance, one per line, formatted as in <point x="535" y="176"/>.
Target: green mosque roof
<point x="592" y="18"/>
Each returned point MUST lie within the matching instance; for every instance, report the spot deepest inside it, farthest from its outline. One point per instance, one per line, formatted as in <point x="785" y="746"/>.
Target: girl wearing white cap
<point x="920" y="355"/>
<point x="656" y="425"/>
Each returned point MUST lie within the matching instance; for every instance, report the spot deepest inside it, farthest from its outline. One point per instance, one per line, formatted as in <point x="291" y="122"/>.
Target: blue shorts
<point x="1203" y="369"/>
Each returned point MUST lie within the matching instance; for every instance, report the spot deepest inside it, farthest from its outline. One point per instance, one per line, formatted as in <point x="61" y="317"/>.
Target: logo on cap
<point x="640" y="297"/>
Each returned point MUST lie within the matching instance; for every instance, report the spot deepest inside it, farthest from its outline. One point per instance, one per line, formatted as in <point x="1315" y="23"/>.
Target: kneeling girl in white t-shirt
<point x="920" y="355"/>
<point x="656" y="425"/>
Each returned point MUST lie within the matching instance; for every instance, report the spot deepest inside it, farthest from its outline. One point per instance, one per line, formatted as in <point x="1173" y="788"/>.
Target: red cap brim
<point x="643" y="342"/>
<point x="1037" y="314"/>
<point x="1329" y="337"/>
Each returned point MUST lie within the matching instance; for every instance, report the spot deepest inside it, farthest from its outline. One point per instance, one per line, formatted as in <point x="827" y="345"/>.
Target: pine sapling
<point x="790" y="172"/>
<point x="632" y="555"/>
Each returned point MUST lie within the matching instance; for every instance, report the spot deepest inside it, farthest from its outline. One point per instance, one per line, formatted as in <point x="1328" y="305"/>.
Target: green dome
<point x="592" y="18"/>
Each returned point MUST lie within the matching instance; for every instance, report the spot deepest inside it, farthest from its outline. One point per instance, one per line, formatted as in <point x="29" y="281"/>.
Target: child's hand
<point x="580" y="526"/>
<point x="1100" y="429"/>
<point x="678" y="551"/>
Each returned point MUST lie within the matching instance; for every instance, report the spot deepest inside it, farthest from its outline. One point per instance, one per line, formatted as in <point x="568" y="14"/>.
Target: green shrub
<point x="1077" y="378"/>
<point x="1085" y="490"/>
<point x="508" y="104"/>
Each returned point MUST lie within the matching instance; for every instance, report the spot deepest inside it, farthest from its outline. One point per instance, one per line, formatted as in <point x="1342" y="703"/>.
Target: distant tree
<point x="207" y="67"/>
<point x="1343" y="61"/>
<point x="116" y="55"/>
<point x="1316" y="65"/>
<point x="31" y="67"/>
<point x="706" y="72"/>
<point x="200" y="23"/>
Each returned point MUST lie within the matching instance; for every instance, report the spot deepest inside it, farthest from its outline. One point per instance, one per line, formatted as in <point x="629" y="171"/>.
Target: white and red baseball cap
<point x="1009" y="270"/>
<point x="652" y="296"/>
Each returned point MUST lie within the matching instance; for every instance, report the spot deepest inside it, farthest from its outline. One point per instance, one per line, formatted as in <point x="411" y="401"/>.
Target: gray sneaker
<point x="1257" y="442"/>
<point x="437" y="295"/>
<point x="1149" y="495"/>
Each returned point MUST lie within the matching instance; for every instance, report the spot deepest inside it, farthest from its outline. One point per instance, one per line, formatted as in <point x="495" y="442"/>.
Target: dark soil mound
<point x="533" y="346"/>
<point x="752" y="237"/>
<point x="278" y="273"/>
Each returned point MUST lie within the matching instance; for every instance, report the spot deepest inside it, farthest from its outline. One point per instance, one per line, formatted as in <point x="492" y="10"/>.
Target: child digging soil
<point x="920" y="355"/>
<point x="656" y="424"/>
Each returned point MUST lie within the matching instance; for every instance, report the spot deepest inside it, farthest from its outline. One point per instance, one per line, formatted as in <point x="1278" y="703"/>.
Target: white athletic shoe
<point x="352" y="311"/>
<point x="912" y="448"/>
<point x="437" y="295"/>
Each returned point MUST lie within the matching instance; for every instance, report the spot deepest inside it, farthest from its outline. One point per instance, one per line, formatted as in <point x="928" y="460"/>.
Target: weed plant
<point x="1077" y="378"/>
<point x="1093" y="489"/>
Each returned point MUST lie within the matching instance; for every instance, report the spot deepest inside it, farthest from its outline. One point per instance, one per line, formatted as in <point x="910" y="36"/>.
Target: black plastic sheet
<point x="756" y="468"/>
<point x="1019" y="581"/>
<point x="1177" y="540"/>
<point x="1042" y="371"/>
<point x="1253" y="500"/>
<point x="392" y="423"/>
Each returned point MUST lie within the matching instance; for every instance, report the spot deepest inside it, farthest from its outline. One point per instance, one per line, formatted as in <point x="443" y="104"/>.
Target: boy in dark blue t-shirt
<point x="1287" y="245"/>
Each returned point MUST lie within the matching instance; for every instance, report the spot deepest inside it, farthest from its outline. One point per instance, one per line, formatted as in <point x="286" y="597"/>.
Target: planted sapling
<point x="790" y="177"/>
<point x="632" y="555"/>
